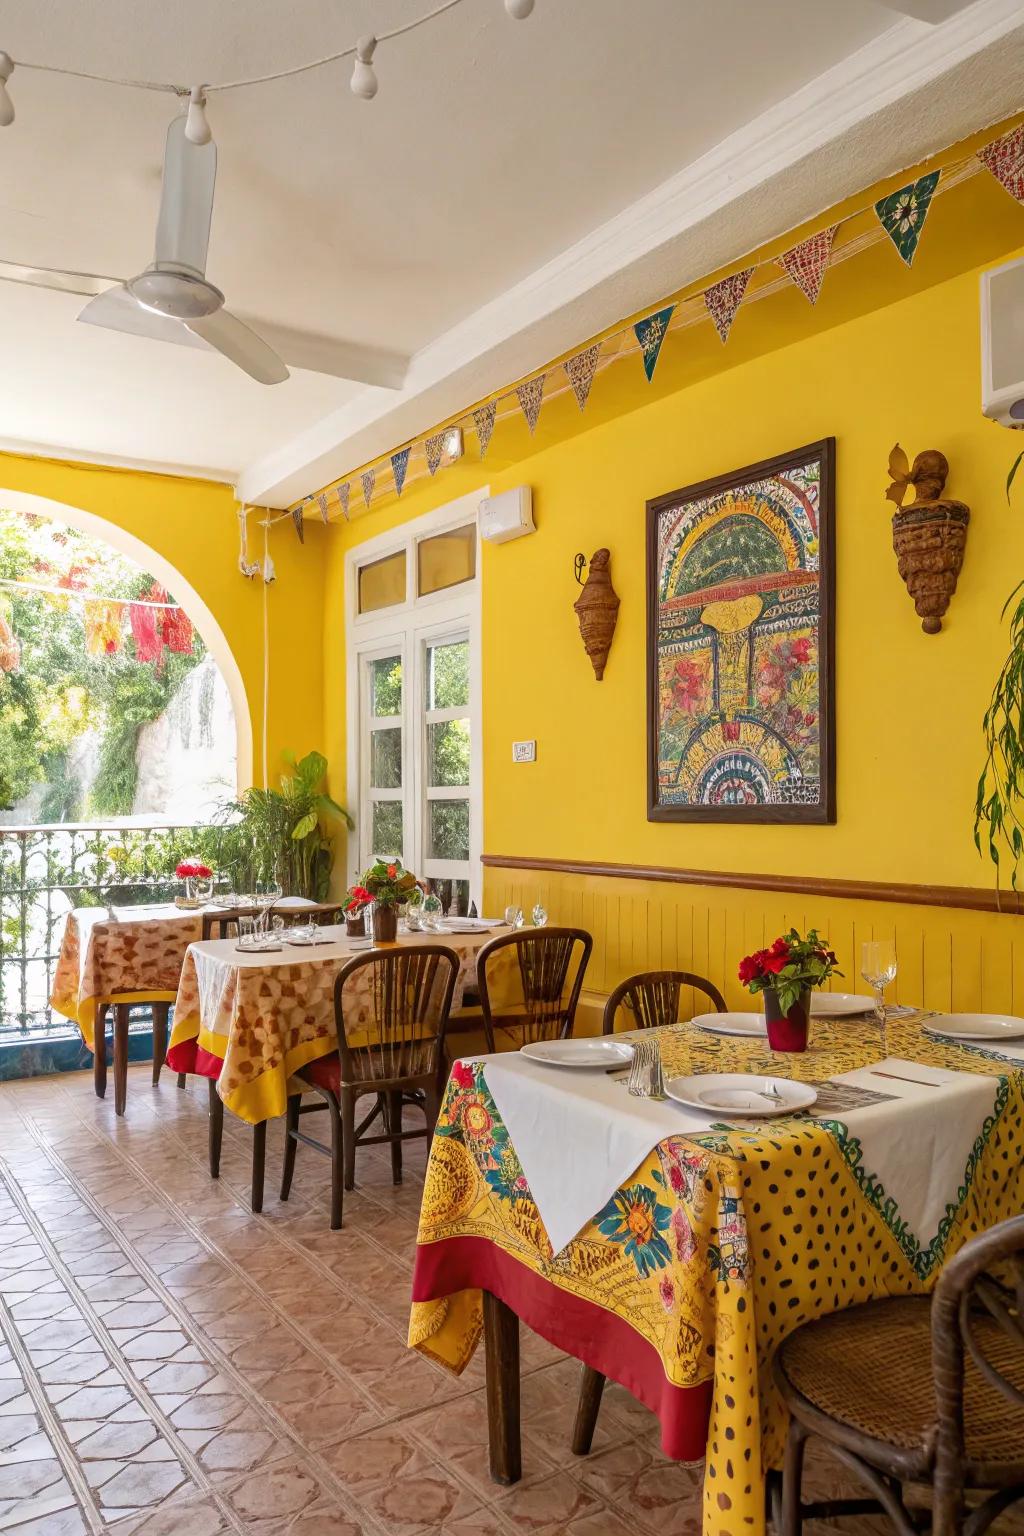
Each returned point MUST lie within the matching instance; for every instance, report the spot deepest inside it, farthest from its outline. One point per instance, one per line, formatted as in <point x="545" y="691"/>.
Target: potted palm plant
<point x="284" y="832"/>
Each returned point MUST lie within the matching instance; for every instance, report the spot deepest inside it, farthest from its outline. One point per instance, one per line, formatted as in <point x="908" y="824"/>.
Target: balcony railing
<point x="47" y="870"/>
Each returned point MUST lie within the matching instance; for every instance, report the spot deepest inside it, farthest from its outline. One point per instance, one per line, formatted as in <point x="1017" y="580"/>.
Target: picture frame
<point x="741" y="644"/>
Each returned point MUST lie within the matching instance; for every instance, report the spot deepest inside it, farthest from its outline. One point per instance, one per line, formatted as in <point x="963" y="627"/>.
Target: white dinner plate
<point x="736" y="1093"/>
<point x="976" y="1026"/>
<point x="731" y="1023"/>
<point x="840" y="1005"/>
<point x="580" y="1053"/>
<point x="306" y="943"/>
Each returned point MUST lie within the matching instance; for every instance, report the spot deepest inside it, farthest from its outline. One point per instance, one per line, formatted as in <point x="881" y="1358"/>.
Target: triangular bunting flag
<point x="483" y="420"/>
<point x="1005" y="159"/>
<point x="723" y="300"/>
<point x="369" y="479"/>
<point x="806" y="262"/>
<point x="297" y="517"/>
<point x="902" y="214"/>
<point x="399" y="468"/>
<point x="650" y="333"/>
<point x="343" y="495"/>
<point x="530" y="395"/>
<point x="321" y="502"/>
<point x="581" y="370"/>
<point x="434" y="447"/>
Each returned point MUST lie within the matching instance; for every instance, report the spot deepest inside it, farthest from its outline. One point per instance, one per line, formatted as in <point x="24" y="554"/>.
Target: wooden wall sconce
<point x="929" y="535"/>
<point x="597" y="608"/>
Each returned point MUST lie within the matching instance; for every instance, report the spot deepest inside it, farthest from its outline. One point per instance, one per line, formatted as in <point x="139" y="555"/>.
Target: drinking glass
<point x="539" y="915"/>
<point x="246" y="932"/>
<point x="433" y="913"/>
<point x="514" y="916"/>
<point x="878" y="968"/>
<point x="277" y="926"/>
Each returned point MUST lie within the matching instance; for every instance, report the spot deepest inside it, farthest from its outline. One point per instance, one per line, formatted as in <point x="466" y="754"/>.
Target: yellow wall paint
<point x="193" y="525"/>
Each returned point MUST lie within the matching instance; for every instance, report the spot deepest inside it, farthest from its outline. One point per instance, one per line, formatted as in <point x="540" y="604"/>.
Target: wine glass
<point x="878" y="968"/>
<point x="539" y="915"/>
<point x="433" y="913"/>
<point x="513" y="916"/>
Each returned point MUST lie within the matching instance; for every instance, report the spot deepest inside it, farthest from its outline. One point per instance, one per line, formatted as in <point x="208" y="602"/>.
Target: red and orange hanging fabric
<point x="149" y="643"/>
<point x="102" y="627"/>
<point x="176" y="627"/>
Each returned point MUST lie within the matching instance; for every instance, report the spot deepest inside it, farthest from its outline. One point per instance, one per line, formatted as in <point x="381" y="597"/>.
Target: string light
<point x="6" y="104"/>
<point x="364" y="81"/>
<point x="519" y="9"/>
<point x="197" y="124"/>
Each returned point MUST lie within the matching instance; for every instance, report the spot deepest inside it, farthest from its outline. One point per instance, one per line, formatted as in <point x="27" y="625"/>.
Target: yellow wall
<point x="192" y="524"/>
<point x="887" y="354"/>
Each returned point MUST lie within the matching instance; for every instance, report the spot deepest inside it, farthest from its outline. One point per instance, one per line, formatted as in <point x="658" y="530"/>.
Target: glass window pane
<point x="449" y="829"/>
<point x="386" y="758"/>
<point x="448" y="753"/>
<point x="387" y="828"/>
<point x="386" y="686"/>
<point x="382" y="583"/>
<point x="446" y="560"/>
<point x="448" y="675"/>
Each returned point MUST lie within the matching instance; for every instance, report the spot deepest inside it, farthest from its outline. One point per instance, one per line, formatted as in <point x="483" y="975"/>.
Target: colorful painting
<point x="740" y="645"/>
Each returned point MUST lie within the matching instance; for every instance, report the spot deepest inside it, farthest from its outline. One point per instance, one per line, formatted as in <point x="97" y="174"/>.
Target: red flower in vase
<point x="193" y="869"/>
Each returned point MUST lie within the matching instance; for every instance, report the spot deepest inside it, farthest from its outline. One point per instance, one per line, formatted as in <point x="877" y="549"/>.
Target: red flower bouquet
<point x="786" y="972"/>
<point x="193" y="869"/>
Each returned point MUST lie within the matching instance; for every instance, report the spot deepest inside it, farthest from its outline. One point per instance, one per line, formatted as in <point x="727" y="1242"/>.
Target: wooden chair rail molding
<point x="967" y="897"/>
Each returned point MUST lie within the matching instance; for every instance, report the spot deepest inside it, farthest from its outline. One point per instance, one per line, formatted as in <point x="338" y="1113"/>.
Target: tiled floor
<point x="172" y="1365"/>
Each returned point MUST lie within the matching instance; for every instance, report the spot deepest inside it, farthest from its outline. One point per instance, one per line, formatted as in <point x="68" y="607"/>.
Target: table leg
<point x="99" y="1050"/>
<point x="501" y="1343"/>
<point x="160" y="1011"/>
<point x="259" y="1162"/>
<point x="587" y="1408"/>
<point x="216" y="1128"/>
<point x="121" y="1012"/>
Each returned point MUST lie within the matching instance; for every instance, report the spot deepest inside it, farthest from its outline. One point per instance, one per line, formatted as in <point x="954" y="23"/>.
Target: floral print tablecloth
<point x="719" y="1244"/>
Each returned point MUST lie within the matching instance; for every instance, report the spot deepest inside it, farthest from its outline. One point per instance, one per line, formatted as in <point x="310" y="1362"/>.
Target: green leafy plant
<point x="389" y="882"/>
<point x="281" y="833"/>
<point x="997" y="807"/>
<point x="791" y="966"/>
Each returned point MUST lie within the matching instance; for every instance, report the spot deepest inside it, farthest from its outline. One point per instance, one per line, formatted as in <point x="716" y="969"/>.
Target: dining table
<point x="671" y="1247"/>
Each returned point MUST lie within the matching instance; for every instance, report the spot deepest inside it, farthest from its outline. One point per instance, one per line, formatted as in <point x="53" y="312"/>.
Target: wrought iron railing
<point x="47" y="870"/>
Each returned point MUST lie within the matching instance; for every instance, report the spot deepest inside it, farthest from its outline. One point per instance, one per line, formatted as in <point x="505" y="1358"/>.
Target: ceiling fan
<point x="172" y="300"/>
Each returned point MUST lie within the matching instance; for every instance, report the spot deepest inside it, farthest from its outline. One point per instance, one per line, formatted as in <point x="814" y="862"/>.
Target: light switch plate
<point x="524" y="751"/>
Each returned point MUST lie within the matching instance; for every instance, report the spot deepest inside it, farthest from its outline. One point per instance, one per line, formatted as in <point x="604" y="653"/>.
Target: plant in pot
<point x="389" y="885"/>
<point x="786" y="974"/>
<point x="283" y="832"/>
<point x="357" y="899"/>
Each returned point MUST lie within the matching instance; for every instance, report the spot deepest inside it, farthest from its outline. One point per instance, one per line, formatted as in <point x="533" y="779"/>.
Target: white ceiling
<point x="541" y="178"/>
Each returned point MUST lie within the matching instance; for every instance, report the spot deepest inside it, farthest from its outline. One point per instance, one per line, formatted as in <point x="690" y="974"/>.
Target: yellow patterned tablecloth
<point x="262" y="1017"/>
<point x="719" y="1245"/>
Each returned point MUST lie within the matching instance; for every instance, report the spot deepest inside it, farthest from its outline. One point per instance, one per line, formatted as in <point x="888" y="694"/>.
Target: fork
<point x="639" y="1081"/>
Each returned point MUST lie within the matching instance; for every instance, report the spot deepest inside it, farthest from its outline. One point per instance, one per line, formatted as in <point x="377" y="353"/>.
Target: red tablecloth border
<point x="189" y="1056"/>
<point x="591" y="1334"/>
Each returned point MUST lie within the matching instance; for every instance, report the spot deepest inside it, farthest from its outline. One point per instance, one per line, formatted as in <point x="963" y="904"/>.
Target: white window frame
<point x="407" y="628"/>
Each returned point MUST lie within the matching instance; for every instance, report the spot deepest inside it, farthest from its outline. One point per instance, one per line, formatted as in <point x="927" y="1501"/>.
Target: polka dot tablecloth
<point x="719" y="1245"/>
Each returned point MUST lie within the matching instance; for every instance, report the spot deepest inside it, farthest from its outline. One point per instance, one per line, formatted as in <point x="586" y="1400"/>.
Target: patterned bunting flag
<point x="806" y="262"/>
<point x="321" y="501"/>
<point x="434" y="447"/>
<point x="399" y="467"/>
<point x="343" y="495"/>
<point x="369" y="479"/>
<point x="297" y="518"/>
<point x="483" y="420"/>
<point x="530" y="396"/>
<point x="650" y="333"/>
<point x="723" y="300"/>
<point x="902" y="214"/>
<point x="581" y="370"/>
<point x="1005" y="159"/>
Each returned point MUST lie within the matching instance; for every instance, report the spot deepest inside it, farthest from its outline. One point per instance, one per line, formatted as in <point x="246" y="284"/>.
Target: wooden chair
<point x="653" y="998"/>
<point x="391" y="1009"/>
<point x="551" y="966"/>
<point x="858" y="1380"/>
<point x="224" y="925"/>
<point x="119" y="1032"/>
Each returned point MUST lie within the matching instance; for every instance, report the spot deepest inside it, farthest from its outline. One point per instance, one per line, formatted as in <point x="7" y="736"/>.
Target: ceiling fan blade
<point x="326" y="354"/>
<point x="186" y="200"/>
<point x="116" y="310"/>
<point x="86" y="283"/>
<point x="241" y="346"/>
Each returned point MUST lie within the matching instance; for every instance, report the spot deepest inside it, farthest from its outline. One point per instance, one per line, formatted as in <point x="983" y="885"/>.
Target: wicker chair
<point x="858" y="1380"/>
<point x="551" y="966"/>
<point x="653" y="998"/>
<point x="392" y="1053"/>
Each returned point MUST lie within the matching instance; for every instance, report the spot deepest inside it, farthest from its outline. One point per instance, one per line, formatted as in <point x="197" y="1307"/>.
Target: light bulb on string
<point x="364" y="81"/>
<point x="519" y="9"/>
<point x="6" y="104"/>
<point x="197" y="124"/>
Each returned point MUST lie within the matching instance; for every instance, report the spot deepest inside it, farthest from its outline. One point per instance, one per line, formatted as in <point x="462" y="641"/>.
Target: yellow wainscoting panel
<point x="949" y="958"/>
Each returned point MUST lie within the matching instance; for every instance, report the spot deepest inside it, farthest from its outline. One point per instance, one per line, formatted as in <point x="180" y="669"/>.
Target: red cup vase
<point x="385" y="923"/>
<point x="787" y="1031"/>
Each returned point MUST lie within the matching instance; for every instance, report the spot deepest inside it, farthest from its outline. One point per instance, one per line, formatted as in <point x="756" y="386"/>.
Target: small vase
<point x="385" y="923"/>
<point x="787" y="1031"/>
<point x="188" y="900"/>
<point x="355" y="926"/>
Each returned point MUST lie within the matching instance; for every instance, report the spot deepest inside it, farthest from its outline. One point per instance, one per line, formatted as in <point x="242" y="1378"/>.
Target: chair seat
<point x="325" y="1072"/>
<point x="868" y="1368"/>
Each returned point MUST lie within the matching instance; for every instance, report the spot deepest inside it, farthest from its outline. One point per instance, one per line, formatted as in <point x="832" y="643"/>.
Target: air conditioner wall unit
<point x="1002" y="343"/>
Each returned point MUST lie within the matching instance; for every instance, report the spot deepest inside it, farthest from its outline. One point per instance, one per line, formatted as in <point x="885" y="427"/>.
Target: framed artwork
<point x="741" y="644"/>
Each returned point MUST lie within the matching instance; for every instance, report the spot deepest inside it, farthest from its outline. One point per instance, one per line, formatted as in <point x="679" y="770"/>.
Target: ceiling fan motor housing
<point x="172" y="290"/>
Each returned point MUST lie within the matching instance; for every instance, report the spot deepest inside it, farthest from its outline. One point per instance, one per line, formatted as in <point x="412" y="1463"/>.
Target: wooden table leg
<point x="501" y="1343"/>
<point x="160" y="1011"/>
<point x="121" y="1012"/>
<point x="216" y="1128"/>
<point x="99" y="1050"/>
<point x="587" y="1406"/>
<point x="259" y="1162"/>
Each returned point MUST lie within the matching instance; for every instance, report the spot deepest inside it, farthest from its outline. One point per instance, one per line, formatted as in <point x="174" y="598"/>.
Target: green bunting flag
<point x="650" y="333"/>
<point x="902" y="214"/>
